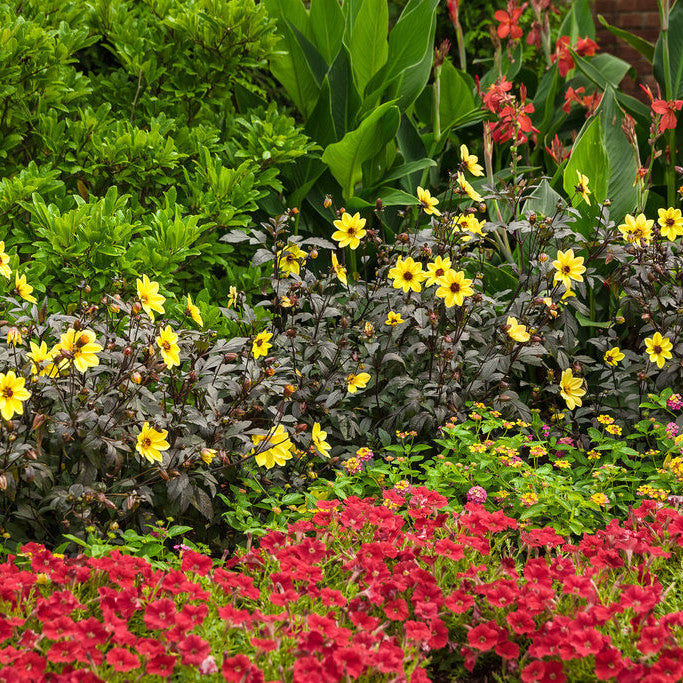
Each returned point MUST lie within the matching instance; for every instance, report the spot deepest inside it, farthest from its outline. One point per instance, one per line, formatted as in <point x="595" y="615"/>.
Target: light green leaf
<point x="588" y="157"/>
<point x="367" y="41"/>
<point x="345" y="158"/>
<point x="456" y="98"/>
<point x="327" y="23"/>
<point x="622" y="159"/>
<point x="643" y="46"/>
<point x="543" y="200"/>
<point x="675" y="55"/>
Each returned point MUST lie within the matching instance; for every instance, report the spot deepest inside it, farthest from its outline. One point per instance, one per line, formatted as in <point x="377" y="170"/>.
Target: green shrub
<point x="133" y="136"/>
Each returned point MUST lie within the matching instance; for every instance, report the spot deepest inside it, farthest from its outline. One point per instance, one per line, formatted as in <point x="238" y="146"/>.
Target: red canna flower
<point x="508" y="20"/>
<point x="667" y="110"/>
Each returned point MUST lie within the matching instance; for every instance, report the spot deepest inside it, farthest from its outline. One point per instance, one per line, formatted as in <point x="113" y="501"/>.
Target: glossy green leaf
<point x="645" y="48"/>
<point x="345" y="158"/>
<point x="623" y="163"/>
<point x="589" y="157"/>
<point x="543" y="200"/>
<point x="675" y="54"/>
<point x="578" y="23"/>
<point x="327" y="24"/>
<point x="367" y="40"/>
<point x="456" y="98"/>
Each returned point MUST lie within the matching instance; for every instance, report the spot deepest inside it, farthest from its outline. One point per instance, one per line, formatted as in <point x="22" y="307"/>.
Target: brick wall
<point x="638" y="16"/>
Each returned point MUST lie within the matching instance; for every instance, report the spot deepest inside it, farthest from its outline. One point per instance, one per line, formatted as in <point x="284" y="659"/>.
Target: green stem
<point x="664" y="9"/>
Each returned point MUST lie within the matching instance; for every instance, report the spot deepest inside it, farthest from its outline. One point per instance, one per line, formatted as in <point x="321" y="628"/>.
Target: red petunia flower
<point x="160" y="614"/>
<point x="484" y="637"/>
<point x="608" y="664"/>
<point x="235" y="668"/>
<point x="122" y="660"/>
<point x="194" y="650"/>
<point x="196" y="562"/>
<point x="161" y="665"/>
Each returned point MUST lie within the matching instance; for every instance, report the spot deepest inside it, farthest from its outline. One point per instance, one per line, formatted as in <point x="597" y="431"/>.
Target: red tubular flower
<point x="667" y="110"/>
<point x="508" y="20"/>
<point x="585" y="47"/>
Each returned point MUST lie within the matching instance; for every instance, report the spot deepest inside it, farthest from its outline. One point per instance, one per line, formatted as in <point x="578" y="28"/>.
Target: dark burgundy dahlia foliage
<point x="363" y="590"/>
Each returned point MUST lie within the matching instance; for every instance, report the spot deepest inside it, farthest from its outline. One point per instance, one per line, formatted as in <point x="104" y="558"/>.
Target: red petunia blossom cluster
<point x="360" y="591"/>
<point x="584" y="47"/>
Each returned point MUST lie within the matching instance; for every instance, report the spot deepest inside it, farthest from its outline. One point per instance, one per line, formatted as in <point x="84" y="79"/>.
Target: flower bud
<point x="327" y="202"/>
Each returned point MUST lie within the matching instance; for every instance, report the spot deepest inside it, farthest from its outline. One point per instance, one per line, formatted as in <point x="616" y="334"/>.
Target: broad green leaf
<point x="327" y="23"/>
<point x="290" y="66"/>
<point x="623" y="163"/>
<point x="315" y="60"/>
<point x="603" y="70"/>
<point x="589" y="157"/>
<point x="543" y="200"/>
<point x="578" y="22"/>
<point x="645" y="48"/>
<point x="408" y="168"/>
<point x="412" y="148"/>
<point x="345" y="158"/>
<point x="321" y="125"/>
<point x="367" y="41"/>
<point x="292" y="11"/>
<point x="344" y="96"/>
<point x="675" y="55"/>
<point x="456" y="97"/>
<point x="410" y="39"/>
<point x="587" y="322"/>
<point x="393" y="197"/>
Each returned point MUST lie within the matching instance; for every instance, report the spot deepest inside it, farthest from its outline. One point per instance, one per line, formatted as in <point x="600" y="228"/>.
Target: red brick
<point x="630" y="21"/>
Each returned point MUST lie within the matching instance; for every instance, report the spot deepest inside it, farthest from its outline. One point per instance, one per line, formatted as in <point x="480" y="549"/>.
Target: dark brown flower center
<point x="439" y="272"/>
<point x="146" y="442"/>
<point x="657" y="349"/>
<point x="566" y="270"/>
<point x="408" y="276"/>
<point x="455" y="287"/>
<point x="7" y="392"/>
